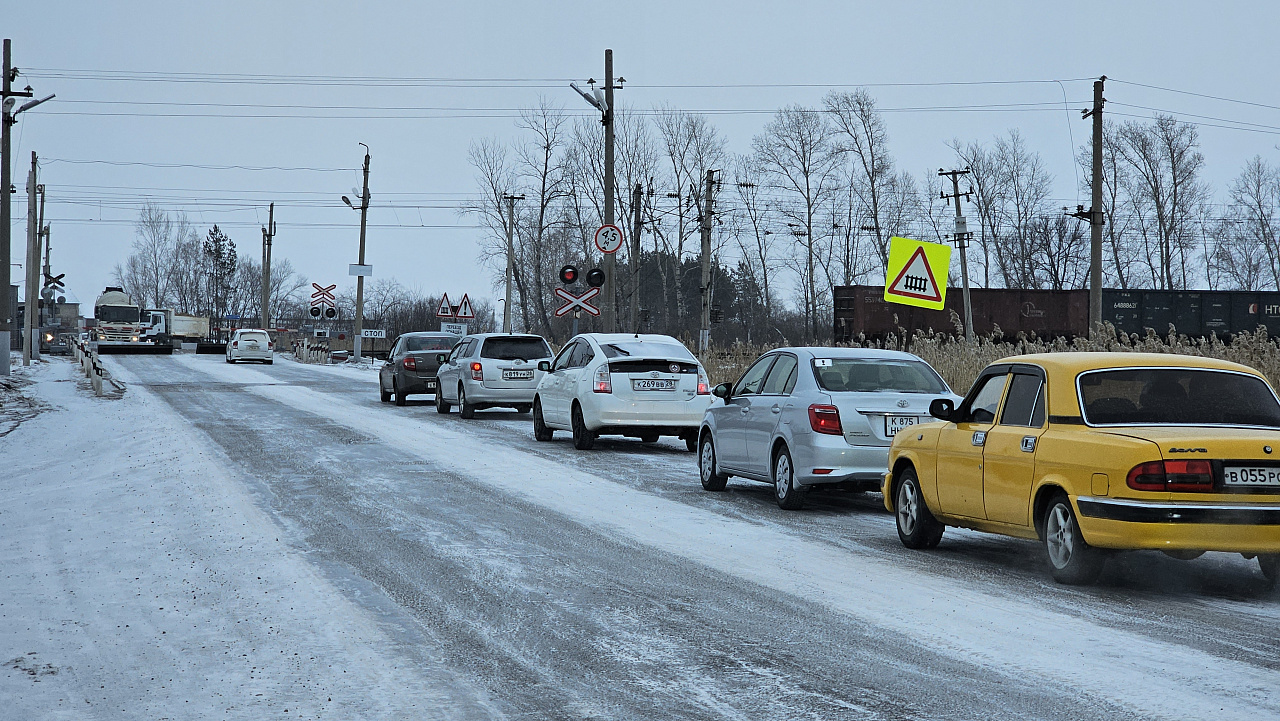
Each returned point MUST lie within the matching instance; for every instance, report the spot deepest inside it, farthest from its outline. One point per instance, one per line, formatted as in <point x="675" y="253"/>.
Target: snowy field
<point x="253" y="541"/>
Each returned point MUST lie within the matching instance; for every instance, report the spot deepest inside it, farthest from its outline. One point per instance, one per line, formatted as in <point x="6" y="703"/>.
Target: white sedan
<point x="642" y="386"/>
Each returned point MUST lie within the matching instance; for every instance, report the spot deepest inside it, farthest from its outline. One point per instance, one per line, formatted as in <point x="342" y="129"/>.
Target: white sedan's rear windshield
<point x="260" y="337"/>
<point x="525" y="349"/>
<point x="866" y="375"/>
<point x="1181" y="396"/>
<point x="646" y="349"/>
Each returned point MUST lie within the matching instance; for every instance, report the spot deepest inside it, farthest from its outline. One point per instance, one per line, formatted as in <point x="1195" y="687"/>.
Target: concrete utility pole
<point x="7" y="311"/>
<point x="1096" y="218"/>
<point x="637" y="199"/>
<point x="609" y="308"/>
<point x="268" y="234"/>
<point x="961" y="239"/>
<point x="511" y="258"/>
<point x="708" y="208"/>
<point x="31" y="334"/>
<point x="364" y="216"/>
<point x="42" y="240"/>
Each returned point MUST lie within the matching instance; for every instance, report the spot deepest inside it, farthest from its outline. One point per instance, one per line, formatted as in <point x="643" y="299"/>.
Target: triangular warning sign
<point x="445" y="310"/>
<point x="464" y="308"/>
<point x="916" y="280"/>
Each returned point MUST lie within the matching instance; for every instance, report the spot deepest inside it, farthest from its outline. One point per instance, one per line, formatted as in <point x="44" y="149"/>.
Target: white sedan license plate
<point x="517" y="375"/>
<point x="893" y="424"/>
<point x="1263" y="476"/>
<point x="652" y="384"/>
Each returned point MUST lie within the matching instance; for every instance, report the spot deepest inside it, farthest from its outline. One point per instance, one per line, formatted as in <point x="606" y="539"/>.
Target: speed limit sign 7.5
<point x="608" y="239"/>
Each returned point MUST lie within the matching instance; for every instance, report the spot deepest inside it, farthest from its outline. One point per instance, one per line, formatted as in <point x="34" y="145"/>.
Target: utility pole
<point x="604" y="103"/>
<point x="961" y="239"/>
<point x="610" y="300"/>
<point x="364" y="216"/>
<point x="31" y="334"/>
<point x="637" y="199"/>
<point x="708" y="208"/>
<point x="42" y="239"/>
<point x="1096" y="218"/>
<point x="511" y="258"/>
<point x="7" y="311"/>
<point x="268" y="234"/>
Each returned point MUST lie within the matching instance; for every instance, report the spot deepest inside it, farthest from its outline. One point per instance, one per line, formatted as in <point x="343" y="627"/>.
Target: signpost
<point x="577" y="302"/>
<point x="322" y="298"/>
<point x="451" y="314"/>
<point x="912" y="276"/>
<point x="608" y="238"/>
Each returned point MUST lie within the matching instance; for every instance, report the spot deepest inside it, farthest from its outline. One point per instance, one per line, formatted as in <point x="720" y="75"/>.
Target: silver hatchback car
<point x="491" y="370"/>
<point x="802" y="417"/>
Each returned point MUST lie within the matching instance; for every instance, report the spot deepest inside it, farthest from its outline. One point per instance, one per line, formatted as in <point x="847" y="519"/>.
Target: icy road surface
<point x="235" y="541"/>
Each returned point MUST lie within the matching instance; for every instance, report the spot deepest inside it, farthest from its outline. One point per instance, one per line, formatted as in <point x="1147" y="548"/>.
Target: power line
<point x="1196" y="95"/>
<point x="196" y="165"/>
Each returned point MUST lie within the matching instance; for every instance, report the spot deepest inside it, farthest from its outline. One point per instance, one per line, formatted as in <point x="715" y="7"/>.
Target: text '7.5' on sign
<point x="917" y="273"/>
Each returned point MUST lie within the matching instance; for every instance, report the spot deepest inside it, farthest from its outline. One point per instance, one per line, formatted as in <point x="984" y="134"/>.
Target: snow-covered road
<point x="232" y="541"/>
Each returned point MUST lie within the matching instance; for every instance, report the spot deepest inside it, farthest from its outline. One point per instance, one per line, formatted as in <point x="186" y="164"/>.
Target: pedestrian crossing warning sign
<point x="917" y="273"/>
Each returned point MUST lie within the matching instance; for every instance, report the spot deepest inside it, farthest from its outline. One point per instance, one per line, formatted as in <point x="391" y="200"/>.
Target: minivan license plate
<point x="517" y="375"/>
<point x="1251" y="476"/>
<point x="652" y="384"/>
<point x="893" y="424"/>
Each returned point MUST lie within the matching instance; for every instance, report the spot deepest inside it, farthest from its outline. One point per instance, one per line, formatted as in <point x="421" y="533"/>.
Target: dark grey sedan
<point x="411" y="365"/>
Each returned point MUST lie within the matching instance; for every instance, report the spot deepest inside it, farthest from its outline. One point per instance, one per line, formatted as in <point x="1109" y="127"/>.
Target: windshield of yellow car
<point x="1177" y="396"/>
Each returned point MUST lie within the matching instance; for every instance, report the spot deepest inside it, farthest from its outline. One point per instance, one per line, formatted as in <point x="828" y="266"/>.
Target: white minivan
<point x="251" y="344"/>
<point x="638" y="385"/>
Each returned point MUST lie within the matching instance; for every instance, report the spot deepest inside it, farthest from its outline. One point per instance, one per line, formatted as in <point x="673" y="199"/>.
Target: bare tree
<point x="1164" y="192"/>
<point x="863" y="137"/>
<point x="1251" y="245"/>
<point x="795" y="149"/>
<point x="1027" y="189"/>
<point x="990" y="196"/>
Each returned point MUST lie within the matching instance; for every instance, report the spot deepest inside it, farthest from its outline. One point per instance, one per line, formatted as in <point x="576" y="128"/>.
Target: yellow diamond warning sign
<point x="917" y="273"/>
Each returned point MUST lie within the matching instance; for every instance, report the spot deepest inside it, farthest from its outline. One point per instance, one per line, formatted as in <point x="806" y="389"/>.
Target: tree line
<point x="816" y="199"/>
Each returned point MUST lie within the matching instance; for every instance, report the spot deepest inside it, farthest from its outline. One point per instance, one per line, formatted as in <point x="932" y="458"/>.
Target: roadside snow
<point x="956" y="617"/>
<point x="139" y="579"/>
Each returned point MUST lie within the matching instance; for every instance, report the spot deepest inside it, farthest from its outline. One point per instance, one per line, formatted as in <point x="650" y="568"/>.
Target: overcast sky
<point x="420" y="154"/>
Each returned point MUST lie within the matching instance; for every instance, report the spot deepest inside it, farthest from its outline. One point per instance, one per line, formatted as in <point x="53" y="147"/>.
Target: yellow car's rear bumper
<point x="1232" y="527"/>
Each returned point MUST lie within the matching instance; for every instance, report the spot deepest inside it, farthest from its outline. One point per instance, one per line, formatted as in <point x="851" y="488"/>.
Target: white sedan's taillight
<point x="704" y="386"/>
<point x="602" y="384"/>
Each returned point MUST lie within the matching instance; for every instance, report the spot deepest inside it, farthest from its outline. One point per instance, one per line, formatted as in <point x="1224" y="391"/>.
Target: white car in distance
<point x="638" y="385"/>
<point x="251" y="344"/>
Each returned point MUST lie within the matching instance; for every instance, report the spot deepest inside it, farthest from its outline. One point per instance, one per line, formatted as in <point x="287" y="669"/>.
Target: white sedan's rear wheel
<point x="786" y="492"/>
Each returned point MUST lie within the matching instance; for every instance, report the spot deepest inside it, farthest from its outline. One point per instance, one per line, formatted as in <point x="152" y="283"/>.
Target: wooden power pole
<point x="1096" y="218"/>
<point x="708" y="209"/>
<point x="268" y="234"/>
<point x="607" y="296"/>
<point x="637" y="200"/>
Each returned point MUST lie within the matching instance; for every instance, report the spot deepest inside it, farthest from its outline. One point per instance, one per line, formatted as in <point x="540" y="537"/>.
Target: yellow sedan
<point x="1091" y="452"/>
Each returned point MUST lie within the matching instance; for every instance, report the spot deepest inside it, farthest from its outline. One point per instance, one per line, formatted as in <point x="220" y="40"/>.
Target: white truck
<point x="118" y="326"/>
<point x="163" y="326"/>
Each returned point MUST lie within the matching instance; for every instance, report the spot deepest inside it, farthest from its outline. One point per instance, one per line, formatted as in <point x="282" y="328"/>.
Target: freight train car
<point x="1048" y="313"/>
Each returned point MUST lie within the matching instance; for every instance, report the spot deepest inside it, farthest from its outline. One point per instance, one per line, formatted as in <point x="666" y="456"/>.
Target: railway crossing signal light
<point x="330" y="312"/>
<point x="595" y="277"/>
<point x="568" y="275"/>
<point x="315" y="311"/>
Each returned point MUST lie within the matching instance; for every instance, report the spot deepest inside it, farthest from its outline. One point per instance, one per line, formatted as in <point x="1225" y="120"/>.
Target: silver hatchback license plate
<point x="652" y="384"/>
<point x="1251" y="476"/>
<point x="893" y="424"/>
<point x="517" y="375"/>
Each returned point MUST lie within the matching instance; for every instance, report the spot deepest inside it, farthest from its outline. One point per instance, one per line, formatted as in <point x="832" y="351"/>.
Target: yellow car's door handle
<point x="979" y="438"/>
<point x="1028" y="444"/>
